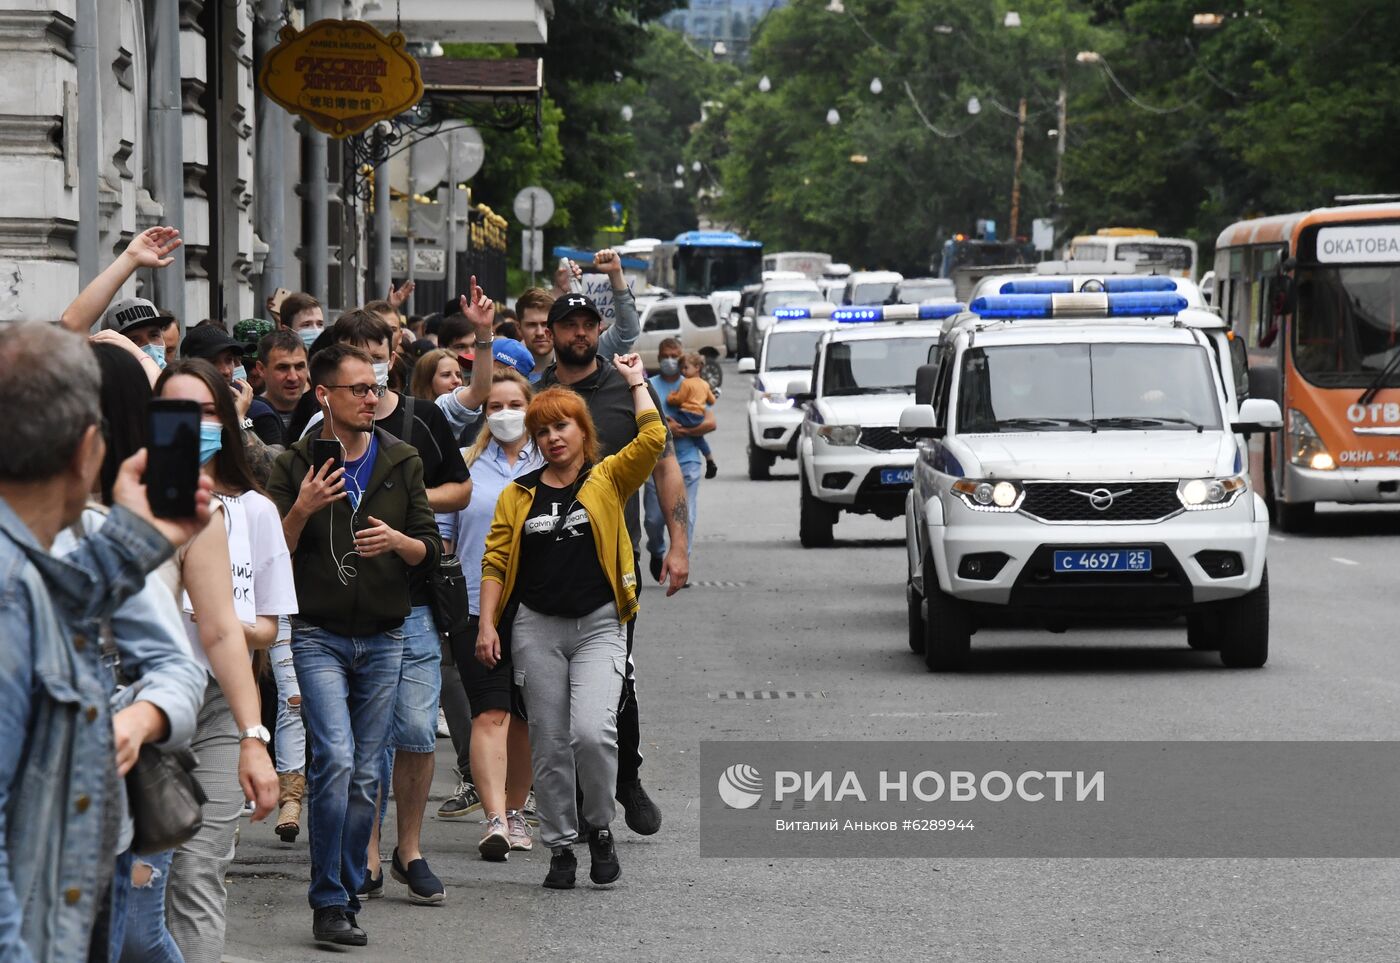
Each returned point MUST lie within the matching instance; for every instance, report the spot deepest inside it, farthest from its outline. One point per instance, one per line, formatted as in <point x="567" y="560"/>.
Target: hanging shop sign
<point x="342" y="76"/>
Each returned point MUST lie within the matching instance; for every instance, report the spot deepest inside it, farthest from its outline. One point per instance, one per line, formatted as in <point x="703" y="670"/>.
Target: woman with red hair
<point x="558" y="578"/>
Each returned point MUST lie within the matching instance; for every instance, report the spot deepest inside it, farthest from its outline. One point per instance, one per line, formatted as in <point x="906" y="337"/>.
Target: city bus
<point x="1174" y="256"/>
<point x="1315" y="298"/>
<point x="716" y="265"/>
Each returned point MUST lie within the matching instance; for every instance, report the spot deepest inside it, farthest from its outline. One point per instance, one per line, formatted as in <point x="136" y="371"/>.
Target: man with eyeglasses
<point x="358" y="535"/>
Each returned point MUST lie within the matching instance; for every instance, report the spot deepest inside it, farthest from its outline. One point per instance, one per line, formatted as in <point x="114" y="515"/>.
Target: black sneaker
<point x="605" y="868"/>
<point x="331" y="924"/>
<point x="424" y="888"/>
<point x="656" y="561"/>
<point x="463" y="802"/>
<point x="372" y="887"/>
<point x="643" y="818"/>
<point x="562" y="867"/>
<point x="711" y="468"/>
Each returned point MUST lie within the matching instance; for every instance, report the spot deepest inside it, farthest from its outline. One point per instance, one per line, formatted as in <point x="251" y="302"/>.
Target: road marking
<point x="920" y="715"/>
<point x="714" y="583"/>
<point x="1278" y="538"/>
<point x="763" y="694"/>
<point x="1343" y="561"/>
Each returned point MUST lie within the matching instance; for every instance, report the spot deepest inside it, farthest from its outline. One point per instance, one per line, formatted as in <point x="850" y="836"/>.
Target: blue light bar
<point x="937" y="312"/>
<point x="1145" y="303"/>
<point x="856" y="314"/>
<point x="789" y="314"/>
<point x="1124" y="285"/>
<point x="1014" y="306"/>
<point x="847" y="315"/>
<point x="1064" y="286"/>
<point x="1112" y="285"/>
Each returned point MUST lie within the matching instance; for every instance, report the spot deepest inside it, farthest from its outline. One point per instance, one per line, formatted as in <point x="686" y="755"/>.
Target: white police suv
<point x="850" y="455"/>
<point x="784" y="365"/>
<point x="1081" y="461"/>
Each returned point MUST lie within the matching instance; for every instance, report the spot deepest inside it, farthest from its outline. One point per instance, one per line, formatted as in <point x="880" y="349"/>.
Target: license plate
<point x="896" y="476"/>
<point x="1105" y="560"/>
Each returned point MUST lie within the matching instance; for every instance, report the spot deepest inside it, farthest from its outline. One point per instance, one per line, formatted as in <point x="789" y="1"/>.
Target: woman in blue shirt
<point x="500" y="741"/>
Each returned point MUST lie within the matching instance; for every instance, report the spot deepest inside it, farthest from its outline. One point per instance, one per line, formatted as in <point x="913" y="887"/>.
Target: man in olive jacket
<point x="355" y="533"/>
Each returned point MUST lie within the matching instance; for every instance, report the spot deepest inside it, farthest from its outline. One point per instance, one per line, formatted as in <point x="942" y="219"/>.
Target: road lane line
<point x="1343" y="561"/>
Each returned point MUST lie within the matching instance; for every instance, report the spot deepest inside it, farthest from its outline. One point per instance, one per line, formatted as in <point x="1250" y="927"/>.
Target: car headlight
<point x="840" y="434"/>
<point x="989" y="496"/>
<point x="1200" y="494"/>
<point x="776" y="399"/>
<point x="1305" y="445"/>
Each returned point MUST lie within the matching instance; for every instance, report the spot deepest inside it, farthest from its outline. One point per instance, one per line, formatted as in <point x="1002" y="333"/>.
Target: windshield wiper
<point x="1369" y="394"/>
<point x="1034" y="423"/>
<point x="1135" y="421"/>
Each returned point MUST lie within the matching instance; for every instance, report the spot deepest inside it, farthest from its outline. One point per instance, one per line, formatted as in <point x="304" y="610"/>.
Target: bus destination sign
<point x="1369" y="244"/>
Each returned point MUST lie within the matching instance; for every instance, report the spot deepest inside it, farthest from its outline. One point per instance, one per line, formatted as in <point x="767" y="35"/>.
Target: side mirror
<point x="800" y="391"/>
<point x="916" y="421"/>
<point x="1258" y="414"/>
<point x="923" y="383"/>
<point x="747" y="366"/>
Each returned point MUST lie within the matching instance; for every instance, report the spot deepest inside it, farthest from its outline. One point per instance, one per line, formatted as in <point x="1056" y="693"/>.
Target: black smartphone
<point x="172" y="457"/>
<point x="324" y="450"/>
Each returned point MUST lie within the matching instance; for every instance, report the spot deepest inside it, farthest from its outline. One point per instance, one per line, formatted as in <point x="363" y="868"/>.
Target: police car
<point x="1082" y="460"/>
<point x="784" y="365"/>
<point x="850" y="455"/>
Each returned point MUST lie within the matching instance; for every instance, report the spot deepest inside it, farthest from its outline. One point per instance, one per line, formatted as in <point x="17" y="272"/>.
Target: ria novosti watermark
<point x="1050" y="799"/>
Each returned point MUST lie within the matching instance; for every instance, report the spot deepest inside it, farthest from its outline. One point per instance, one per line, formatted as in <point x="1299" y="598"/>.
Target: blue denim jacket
<point x="57" y="754"/>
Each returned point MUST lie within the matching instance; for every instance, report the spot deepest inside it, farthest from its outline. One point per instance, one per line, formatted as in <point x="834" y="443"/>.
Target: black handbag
<point x="447" y="597"/>
<point x="166" y="800"/>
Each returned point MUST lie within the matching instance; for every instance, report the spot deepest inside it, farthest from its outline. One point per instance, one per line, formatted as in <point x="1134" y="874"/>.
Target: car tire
<point x="1201" y="633"/>
<point x="1243" y="628"/>
<point x="712" y="373"/>
<point x="916" y="618"/>
<point x="760" y="462"/>
<point x="1294" y="516"/>
<point x="815" y="519"/>
<point x="947" y="627"/>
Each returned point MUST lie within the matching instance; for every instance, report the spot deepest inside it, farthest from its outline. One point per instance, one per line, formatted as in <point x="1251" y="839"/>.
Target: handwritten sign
<point x="342" y="76"/>
<point x="599" y="288"/>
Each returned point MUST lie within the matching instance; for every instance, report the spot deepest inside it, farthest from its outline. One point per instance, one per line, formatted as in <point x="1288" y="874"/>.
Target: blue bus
<point x="703" y="262"/>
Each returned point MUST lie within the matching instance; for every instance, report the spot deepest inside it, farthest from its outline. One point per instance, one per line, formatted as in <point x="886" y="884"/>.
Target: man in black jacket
<point x="357" y="534"/>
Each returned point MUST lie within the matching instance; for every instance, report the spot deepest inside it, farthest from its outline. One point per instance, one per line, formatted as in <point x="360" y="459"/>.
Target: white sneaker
<point x="518" y="830"/>
<point x="495" y="842"/>
<point x="443" y="731"/>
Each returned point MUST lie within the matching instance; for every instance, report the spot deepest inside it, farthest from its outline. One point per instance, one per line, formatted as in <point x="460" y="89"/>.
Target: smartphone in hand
<point x="324" y="450"/>
<point x="172" y="457"/>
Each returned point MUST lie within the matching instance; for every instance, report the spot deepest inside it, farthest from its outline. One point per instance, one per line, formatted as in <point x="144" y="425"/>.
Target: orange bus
<point x="1315" y="297"/>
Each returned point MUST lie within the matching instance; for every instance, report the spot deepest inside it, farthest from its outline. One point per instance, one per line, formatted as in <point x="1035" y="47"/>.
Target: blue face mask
<point x="309" y="336"/>
<point x="211" y="440"/>
<point x="240" y="373"/>
<point x="670" y="367"/>
<point x="156" y="353"/>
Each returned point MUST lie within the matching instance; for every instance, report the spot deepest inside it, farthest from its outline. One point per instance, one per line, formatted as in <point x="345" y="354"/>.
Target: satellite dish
<point x="467" y="152"/>
<point x="427" y="164"/>
<point x="533" y="207"/>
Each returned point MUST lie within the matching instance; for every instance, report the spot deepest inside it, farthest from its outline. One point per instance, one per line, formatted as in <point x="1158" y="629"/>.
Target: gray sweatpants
<point x="571" y="672"/>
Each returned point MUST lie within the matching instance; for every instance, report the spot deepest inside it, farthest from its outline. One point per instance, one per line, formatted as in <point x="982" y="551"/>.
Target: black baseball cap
<point x="569" y="303"/>
<point x="208" y="341"/>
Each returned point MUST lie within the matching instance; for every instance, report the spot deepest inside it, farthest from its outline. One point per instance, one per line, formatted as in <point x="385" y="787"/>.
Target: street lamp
<point x="876" y="87"/>
<point x="835" y="6"/>
<point x="697" y="167"/>
<point x="833" y="117"/>
<point x="974" y="106"/>
<point x="1208" y="21"/>
<point x="719" y="49"/>
<point x="764" y="84"/>
<point x="1088" y="57"/>
<point x="1012" y="19"/>
<point x="626" y="112"/>
<point x="680" y="170"/>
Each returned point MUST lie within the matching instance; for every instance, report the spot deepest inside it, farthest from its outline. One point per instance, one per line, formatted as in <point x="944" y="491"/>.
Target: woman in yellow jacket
<point x="558" y="575"/>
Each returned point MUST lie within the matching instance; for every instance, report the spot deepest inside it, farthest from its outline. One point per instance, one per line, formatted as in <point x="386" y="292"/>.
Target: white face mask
<point x="381" y="373"/>
<point x="506" y="425"/>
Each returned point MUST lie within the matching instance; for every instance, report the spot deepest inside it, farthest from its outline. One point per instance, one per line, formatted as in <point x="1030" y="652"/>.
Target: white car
<point x="692" y="321"/>
<point x="850" y="455"/>
<point x="774" y="294"/>
<point x="870" y="287"/>
<point x="1083" y="462"/>
<point x="784" y="365"/>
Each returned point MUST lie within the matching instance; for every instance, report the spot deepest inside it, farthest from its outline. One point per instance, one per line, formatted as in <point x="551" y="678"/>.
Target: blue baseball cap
<point x="510" y="352"/>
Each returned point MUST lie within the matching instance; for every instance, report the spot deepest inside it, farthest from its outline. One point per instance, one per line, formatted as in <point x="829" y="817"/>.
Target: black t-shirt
<point x="267" y="424"/>
<point x="559" y="569"/>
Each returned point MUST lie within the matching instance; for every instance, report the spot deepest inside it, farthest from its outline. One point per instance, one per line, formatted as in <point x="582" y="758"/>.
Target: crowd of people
<point x="348" y="471"/>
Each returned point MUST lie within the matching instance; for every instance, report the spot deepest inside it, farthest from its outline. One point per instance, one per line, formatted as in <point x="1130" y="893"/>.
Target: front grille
<point x="883" y="439"/>
<point x="1133" y="501"/>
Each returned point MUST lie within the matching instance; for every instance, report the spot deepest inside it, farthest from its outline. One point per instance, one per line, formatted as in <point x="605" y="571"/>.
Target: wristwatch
<point x="259" y="733"/>
<point x="246" y="424"/>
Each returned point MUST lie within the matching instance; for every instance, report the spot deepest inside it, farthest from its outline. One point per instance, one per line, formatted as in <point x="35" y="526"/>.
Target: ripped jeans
<point x="291" y="734"/>
<point x="147" y="939"/>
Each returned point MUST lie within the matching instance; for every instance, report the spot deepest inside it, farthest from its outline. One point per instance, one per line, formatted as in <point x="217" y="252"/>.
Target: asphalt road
<point x="763" y="613"/>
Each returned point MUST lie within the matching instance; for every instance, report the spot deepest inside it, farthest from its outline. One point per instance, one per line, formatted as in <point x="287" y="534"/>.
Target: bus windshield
<point x="1087" y="387"/>
<point x="884" y="366"/>
<point x="1347" y="326"/>
<point x="704" y="270"/>
<point x="1156" y="255"/>
<point x="791" y="351"/>
<point x="872" y="292"/>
